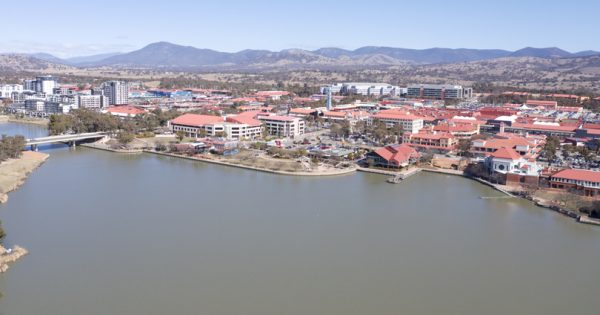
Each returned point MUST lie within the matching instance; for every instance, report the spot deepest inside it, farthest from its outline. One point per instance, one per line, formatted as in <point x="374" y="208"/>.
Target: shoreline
<point x="8" y="256"/>
<point x="14" y="172"/>
<point x="307" y="174"/>
<point x="28" y="121"/>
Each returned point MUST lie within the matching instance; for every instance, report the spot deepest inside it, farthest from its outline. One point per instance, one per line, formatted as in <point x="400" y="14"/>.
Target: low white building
<point x="509" y="161"/>
<point x="391" y="118"/>
<point x="364" y="88"/>
<point x="196" y="126"/>
<point x="283" y="126"/>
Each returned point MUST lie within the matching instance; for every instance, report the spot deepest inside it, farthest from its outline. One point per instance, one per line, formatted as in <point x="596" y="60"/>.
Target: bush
<point x="2" y="233"/>
<point x="11" y="147"/>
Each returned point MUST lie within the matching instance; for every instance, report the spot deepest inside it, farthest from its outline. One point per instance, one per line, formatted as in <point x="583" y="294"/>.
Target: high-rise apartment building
<point x="117" y="92"/>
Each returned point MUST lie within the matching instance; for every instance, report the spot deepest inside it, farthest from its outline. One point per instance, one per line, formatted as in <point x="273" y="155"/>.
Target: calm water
<point x="115" y="234"/>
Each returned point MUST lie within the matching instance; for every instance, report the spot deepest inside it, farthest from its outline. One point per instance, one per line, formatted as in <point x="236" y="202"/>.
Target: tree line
<point x="11" y="147"/>
<point x="85" y="120"/>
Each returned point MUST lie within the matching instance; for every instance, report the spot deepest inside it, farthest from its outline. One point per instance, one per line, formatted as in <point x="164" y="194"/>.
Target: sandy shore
<point x="10" y="256"/>
<point x="14" y="172"/>
<point x="316" y="172"/>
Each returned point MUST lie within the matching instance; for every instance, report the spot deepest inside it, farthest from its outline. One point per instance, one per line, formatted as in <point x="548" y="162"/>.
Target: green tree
<point x="11" y="147"/>
<point x="464" y="147"/>
<point x="2" y="233"/>
<point x="180" y="135"/>
<point x="551" y="146"/>
<point x="125" y="137"/>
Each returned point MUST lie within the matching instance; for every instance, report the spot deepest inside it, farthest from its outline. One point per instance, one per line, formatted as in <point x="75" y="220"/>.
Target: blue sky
<point x="72" y="28"/>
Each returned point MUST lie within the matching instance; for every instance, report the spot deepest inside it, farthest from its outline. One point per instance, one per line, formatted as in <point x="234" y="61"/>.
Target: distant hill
<point x="83" y="60"/>
<point x="75" y="61"/>
<point x="14" y="63"/>
<point x="168" y="55"/>
<point x="551" y="52"/>
<point x="164" y="55"/>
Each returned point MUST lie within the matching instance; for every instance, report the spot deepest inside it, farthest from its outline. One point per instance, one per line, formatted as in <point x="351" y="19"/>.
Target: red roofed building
<point x="459" y="130"/>
<point x="435" y="141"/>
<point x="274" y="95"/>
<point x="410" y="123"/>
<point x="394" y="156"/>
<point x="583" y="182"/>
<point x="125" y="111"/>
<point x="544" y="104"/>
<point x="283" y="126"/>
<point x="528" y="147"/>
<point x="303" y="112"/>
<point x="506" y="166"/>
<point x="234" y="128"/>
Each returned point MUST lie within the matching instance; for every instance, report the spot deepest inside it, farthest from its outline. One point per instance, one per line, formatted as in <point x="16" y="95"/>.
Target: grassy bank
<point x="13" y="172"/>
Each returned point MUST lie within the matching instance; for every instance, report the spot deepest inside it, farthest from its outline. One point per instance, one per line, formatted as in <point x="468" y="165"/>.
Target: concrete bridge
<point x="71" y="139"/>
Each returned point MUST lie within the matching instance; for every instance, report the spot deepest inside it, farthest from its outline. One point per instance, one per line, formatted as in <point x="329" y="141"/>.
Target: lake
<point x="145" y="234"/>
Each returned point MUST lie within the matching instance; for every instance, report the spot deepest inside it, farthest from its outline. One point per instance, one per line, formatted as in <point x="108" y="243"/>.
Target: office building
<point x="439" y="92"/>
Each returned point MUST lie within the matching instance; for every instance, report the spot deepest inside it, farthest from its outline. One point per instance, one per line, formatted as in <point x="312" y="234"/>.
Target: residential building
<point x="92" y="101"/>
<point x="35" y="105"/>
<point x="29" y="85"/>
<point x="440" y="92"/>
<point x="583" y="182"/>
<point x="45" y="84"/>
<point x="116" y="91"/>
<point x="7" y="90"/>
<point x="283" y="126"/>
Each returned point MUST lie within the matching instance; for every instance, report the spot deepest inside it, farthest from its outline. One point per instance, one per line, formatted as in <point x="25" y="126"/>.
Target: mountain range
<point x="164" y="55"/>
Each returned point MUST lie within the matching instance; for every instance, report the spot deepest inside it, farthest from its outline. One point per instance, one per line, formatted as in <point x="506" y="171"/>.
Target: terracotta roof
<point x="272" y="93"/>
<point x="196" y="120"/>
<point x="455" y="128"/>
<point x="545" y="127"/>
<point x="125" y="109"/>
<point x="395" y="115"/>
<point x="335" y="114"/>
<point x="279" y="118"/>
<point x="305" y="111"/>
<point x="430" y="136"/>
<point x="591" y="126"/>
<point x="397" y="154"/>
<point x="241" y="119"/>
<point x="575" y="174"/>
<point x="542" y="103"/>
<point x="506" y="153"/>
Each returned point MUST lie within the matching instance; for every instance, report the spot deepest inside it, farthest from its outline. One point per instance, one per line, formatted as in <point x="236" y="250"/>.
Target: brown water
<point x="116" y="234"/>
